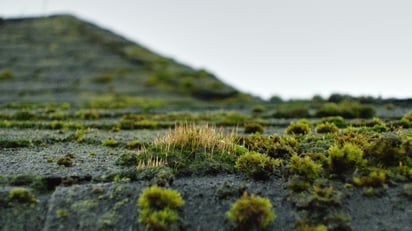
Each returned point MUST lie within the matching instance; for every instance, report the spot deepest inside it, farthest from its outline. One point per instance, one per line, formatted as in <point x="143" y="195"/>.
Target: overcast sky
<point x="290" y="48"/>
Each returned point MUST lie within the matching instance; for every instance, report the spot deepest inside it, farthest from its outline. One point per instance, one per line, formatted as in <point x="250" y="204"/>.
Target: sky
<point x="287" y="48"/>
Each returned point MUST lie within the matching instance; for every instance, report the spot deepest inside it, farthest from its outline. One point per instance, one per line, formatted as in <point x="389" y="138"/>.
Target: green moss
<point x="159" y="207"/>
<point x="89" y="114"/>
<point x="23" y="115"/>
<point x="375" y="178"/>
<point x="15" y="143"/>
<point x="104" y="78"/>
<point x="251" y="213"/>
<point x="134" y="144"/>
<point x="300" y="127"/>
<point x="319" y="198"/>
<point x="387" y="149"/>
<point x="233" y="118"/>
<point x="110" y="142"/>
<point x="406" y="120"/>
<point x="62" y="213"/>
<point x="254" y="128"/>
<point x="326" y="127"/>
<point x="346" y="109"/>
<point x="258" y="109"/>
<point x="127" y="159"/>
<point x="275" y="146"/>
<point x="346" y="158"/>
<point x="6" y="74"/>
<point x="66" y="160"/>
<point x="257" y="166"/>
<point x="291" y="112"/>
<point x="22" y="195"/>
<point x="339" y="121"/>
<point x="305" y="167"/>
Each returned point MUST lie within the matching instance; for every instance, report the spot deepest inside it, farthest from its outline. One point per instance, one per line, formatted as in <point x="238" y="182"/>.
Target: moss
<point x="106" y="77"/>
<point x="6" y="74"/>
<point x="291" y="112"/>
<point x="318" y="198"/>
<point x="23" y="115"/>
<point x="89" y="114"/>
<point x="127" y="159"/>
<point x="35" y="182"/>
<point x="233" y="118"/>
<point x="159" y="207"/>
<point x="66" y="160"/>
<point x="346" y="109"/>
<point x="110" y="142"/>
<point x="275" y="146"/>
<point x="22" y="195"/>
<point x="406" y="119"/>
<point x="339" y="121"/>
<point x="258" y="109"/>
<point x="15" y="143"/>
<point x="133" y="144"/>
<point x="251" y="213"/>
<point x="326" y="127"/>
<point x="346" y="158"/>
<point x="254" y="128"/>
<point x="305" y="167"/>
<point x="79" y="134"/>
<point x="306" y="227"/>
<point x="84" y="206"/>
<point x="257" y="166"/>
<point x="300" y="127"/>
<point x="375" y="178"/>
<point x="62" y="213"/>
<point x="388" y="149"/>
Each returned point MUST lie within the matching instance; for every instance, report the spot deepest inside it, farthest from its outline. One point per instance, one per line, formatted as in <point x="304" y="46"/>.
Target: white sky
<point x="291" y="48"/>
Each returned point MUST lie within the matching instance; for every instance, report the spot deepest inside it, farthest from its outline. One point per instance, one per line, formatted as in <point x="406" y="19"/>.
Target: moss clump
<point x="339" y="121"/>
<point x="22" y="195"/>
<point x="319" y="198"/>
<point x="291" y="112"/>
<point x="66" y="160"/>
<point x="300" y="127"/>
<point x="254" y="128"/>
<point x="387" y="149"/>
<point x="127" y="159"/>
<point x="275" y="146"/>
<point x="158" y="207"/>
<point x="326" y="127"/>
<point x="375" y="179"/>
<point x="346" y="109"/>
<point x="256" y="165"/>
<point x="133" y="144"/>
<point x="406" y="120"/>
<point x="305" y="167"/>
<point x="251" y="213"/>
<point x="24" y="115"/>
<point x="6" y="74"/>
<point x="378" y="125"/>
<point x="106" y="77"/>
<point x="110" y="142"/>
<point x="259" y="109"/>
<point x="346" y="158"/>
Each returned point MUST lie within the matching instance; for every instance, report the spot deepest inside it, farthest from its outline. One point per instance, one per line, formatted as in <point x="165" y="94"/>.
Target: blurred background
<point x="291" y="49"/>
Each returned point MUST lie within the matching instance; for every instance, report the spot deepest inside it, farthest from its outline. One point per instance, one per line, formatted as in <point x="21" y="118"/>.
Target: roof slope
<point x="61" y="58"/>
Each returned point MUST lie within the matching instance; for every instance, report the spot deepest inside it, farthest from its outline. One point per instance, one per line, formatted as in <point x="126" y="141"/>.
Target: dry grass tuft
<point x="192" y="138"/>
